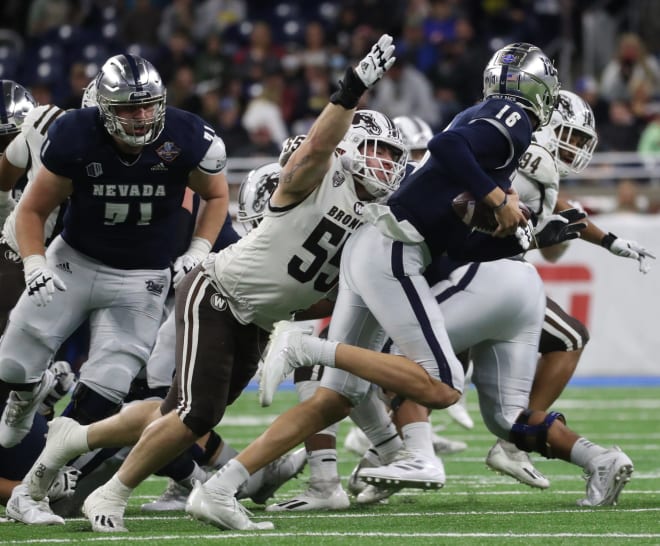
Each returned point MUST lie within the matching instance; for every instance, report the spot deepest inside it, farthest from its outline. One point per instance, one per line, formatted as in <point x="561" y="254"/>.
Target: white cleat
<point x="222" y="511"/>
<point x="446" y="446"/>
<point x="105" y="511"/>
<point x="356" y="441"/>
<point x="506" y="458"/>
<point x="319" y="496"/>
<point x="21" y="507"/>
<point x="284" y="353"/>
<point x="173" y="498"/>
<point x="459" y="413"/>
<point x="278" y="473"/>
<point x="407" y="470"/>
<point x="18" y="415"/>
<point x="606" y="475"/>
<point x="372" y="494"/>
<point x="59" y="449"/>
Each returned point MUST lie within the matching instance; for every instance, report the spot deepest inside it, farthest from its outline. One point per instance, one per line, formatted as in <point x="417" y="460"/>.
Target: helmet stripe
<point x="503" y="78"/>
<point x="136" y="73"/>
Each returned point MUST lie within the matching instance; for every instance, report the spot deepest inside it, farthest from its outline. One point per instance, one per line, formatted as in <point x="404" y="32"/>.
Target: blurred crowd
<point x="258" y="71"/>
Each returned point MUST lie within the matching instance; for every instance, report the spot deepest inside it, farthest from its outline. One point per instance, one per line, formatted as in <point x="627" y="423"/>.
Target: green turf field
<point x="476" y="506"/>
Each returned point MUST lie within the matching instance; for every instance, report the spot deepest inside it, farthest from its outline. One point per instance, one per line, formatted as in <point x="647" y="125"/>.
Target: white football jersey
<point x="25" y="151"/>
<point x="291" y="259"/>
<point x="537" y="180"/>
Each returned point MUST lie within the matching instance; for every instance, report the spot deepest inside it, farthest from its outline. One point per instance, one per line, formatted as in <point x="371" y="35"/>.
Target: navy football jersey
<point x="478" y="151"/>
<point x="124" y="210"/>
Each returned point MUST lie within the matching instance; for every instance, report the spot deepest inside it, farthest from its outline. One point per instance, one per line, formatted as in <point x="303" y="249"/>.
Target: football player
<point x="226" y="306"/>
<point x="384" y="262"/>
<point x="566" y="145"/>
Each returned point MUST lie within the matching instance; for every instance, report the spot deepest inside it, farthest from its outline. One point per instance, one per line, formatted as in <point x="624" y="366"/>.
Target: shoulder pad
<point x="215" y="158"/>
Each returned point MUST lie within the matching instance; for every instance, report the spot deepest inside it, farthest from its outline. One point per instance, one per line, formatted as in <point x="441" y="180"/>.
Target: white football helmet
<point x="415" y="132"/>
<point x="370" y="129"/>
<point x="125" y="81"/>
<point x="254" y="193"/>
<point x="523" y="73"/>
<point x="572" y="136"/>
<point x="16" y="103"/>
<point x="89" y="95"/>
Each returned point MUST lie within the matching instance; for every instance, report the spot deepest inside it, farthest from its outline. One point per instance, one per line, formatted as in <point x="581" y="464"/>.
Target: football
<point x="478" y="215"/>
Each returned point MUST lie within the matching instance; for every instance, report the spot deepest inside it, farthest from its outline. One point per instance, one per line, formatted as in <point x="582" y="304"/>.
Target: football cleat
<point x="173" y="498"/>
<point x="373" y="494"/>
<point x="18" y="415"/>
<point x="221" y="510"/>
<point x="606" y="474"/>
<point x="284" y="353"/>
<point x="506" y="458"/>
<point x="459" y="413"/>
<point x="370" y="459"/>
<point x="21" y="507"/>
<point x="278" y="472"/>
<point x="407" y="470"/>
<point x="319" y="496"/>
<point x="105" y="511"/>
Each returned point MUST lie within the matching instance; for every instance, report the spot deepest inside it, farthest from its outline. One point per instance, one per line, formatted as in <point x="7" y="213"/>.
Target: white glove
<point x="65" y="483"/>
<point x="632" y="250"/>
<point x="7" y="204"/>
<point x="377" y="62"/>
<point x="524" y="236"/>
<point x="197" y="251"/>
<point x="40" y="280"/>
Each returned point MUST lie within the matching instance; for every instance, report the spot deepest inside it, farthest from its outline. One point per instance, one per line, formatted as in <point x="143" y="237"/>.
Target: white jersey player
<point x="348" y="157"/>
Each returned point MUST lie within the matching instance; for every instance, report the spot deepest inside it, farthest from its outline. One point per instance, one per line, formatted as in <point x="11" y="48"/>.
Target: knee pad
<point x="87" y="406"/>
<point x="534" y="437"/>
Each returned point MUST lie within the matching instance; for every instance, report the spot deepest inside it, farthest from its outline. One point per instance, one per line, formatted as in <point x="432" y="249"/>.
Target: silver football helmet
<point x="89" y="95"/>
<point x="125" y="82"/>
<point x="415" y="132"/>
<point x="16" y="104"/>
<point x="523" y="73"/>
<point x="573" y="137"/>
<point x="254" y="193"/>
<point x="360" y="147"/>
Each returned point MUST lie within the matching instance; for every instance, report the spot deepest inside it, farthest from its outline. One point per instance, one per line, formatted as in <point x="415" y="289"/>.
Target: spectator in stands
<point x="78" y="80"/>
<point x="260" y="57"/>
<point x="214" y="16"/>
<point x="176" y="17"/>
<point x="630" y="65"/>
<point x="622" y="129"/>
<point x="628" y="198"/>
<point x="212" y="62"/>
<point x="230" y="127"/>
<point x="587" y="88"/>
<point x="181" y="90"/>
<point x="139" y="25"/>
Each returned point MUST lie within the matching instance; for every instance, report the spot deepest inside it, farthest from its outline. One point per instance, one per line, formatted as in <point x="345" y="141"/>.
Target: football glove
<point x="197" y="251"/>
<point x="65" y="484"/>
<point x="40" y="280"/>
<point x="557" y="228"/>
<point x="628" y="249"/>
<point x="377" y="62"/>
<point x="7" y="204"/>
<point x="369" y="70"/>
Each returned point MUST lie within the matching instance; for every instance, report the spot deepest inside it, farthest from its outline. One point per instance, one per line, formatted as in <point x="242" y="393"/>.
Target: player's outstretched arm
<point x="308" y="164"/>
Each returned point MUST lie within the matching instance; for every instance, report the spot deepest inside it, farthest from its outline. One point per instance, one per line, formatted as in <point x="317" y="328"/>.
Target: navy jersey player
<point x="125" y="167"/>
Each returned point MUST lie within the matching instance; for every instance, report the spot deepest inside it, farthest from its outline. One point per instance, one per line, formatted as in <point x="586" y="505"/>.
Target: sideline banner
<point x="619" y="305"/>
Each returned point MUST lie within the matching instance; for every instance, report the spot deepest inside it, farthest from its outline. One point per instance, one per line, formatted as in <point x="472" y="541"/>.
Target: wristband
<point x="503" y="203"/>
<point x="199" y="248"/>
<point x="350" y="90"/>
<point x="607" y="240"/>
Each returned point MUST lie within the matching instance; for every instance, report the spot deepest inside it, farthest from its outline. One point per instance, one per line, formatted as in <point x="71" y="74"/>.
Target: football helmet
<point x="359" y="152"/>
<point x="571" y="136"/>
<point x="89" y="95"/>
<point x="254" y="193"/>
<point x="127" y="81"/>
<point x="16" y="103"/>
<point x="415" y="132"/>
<point x="523" y="73"/>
